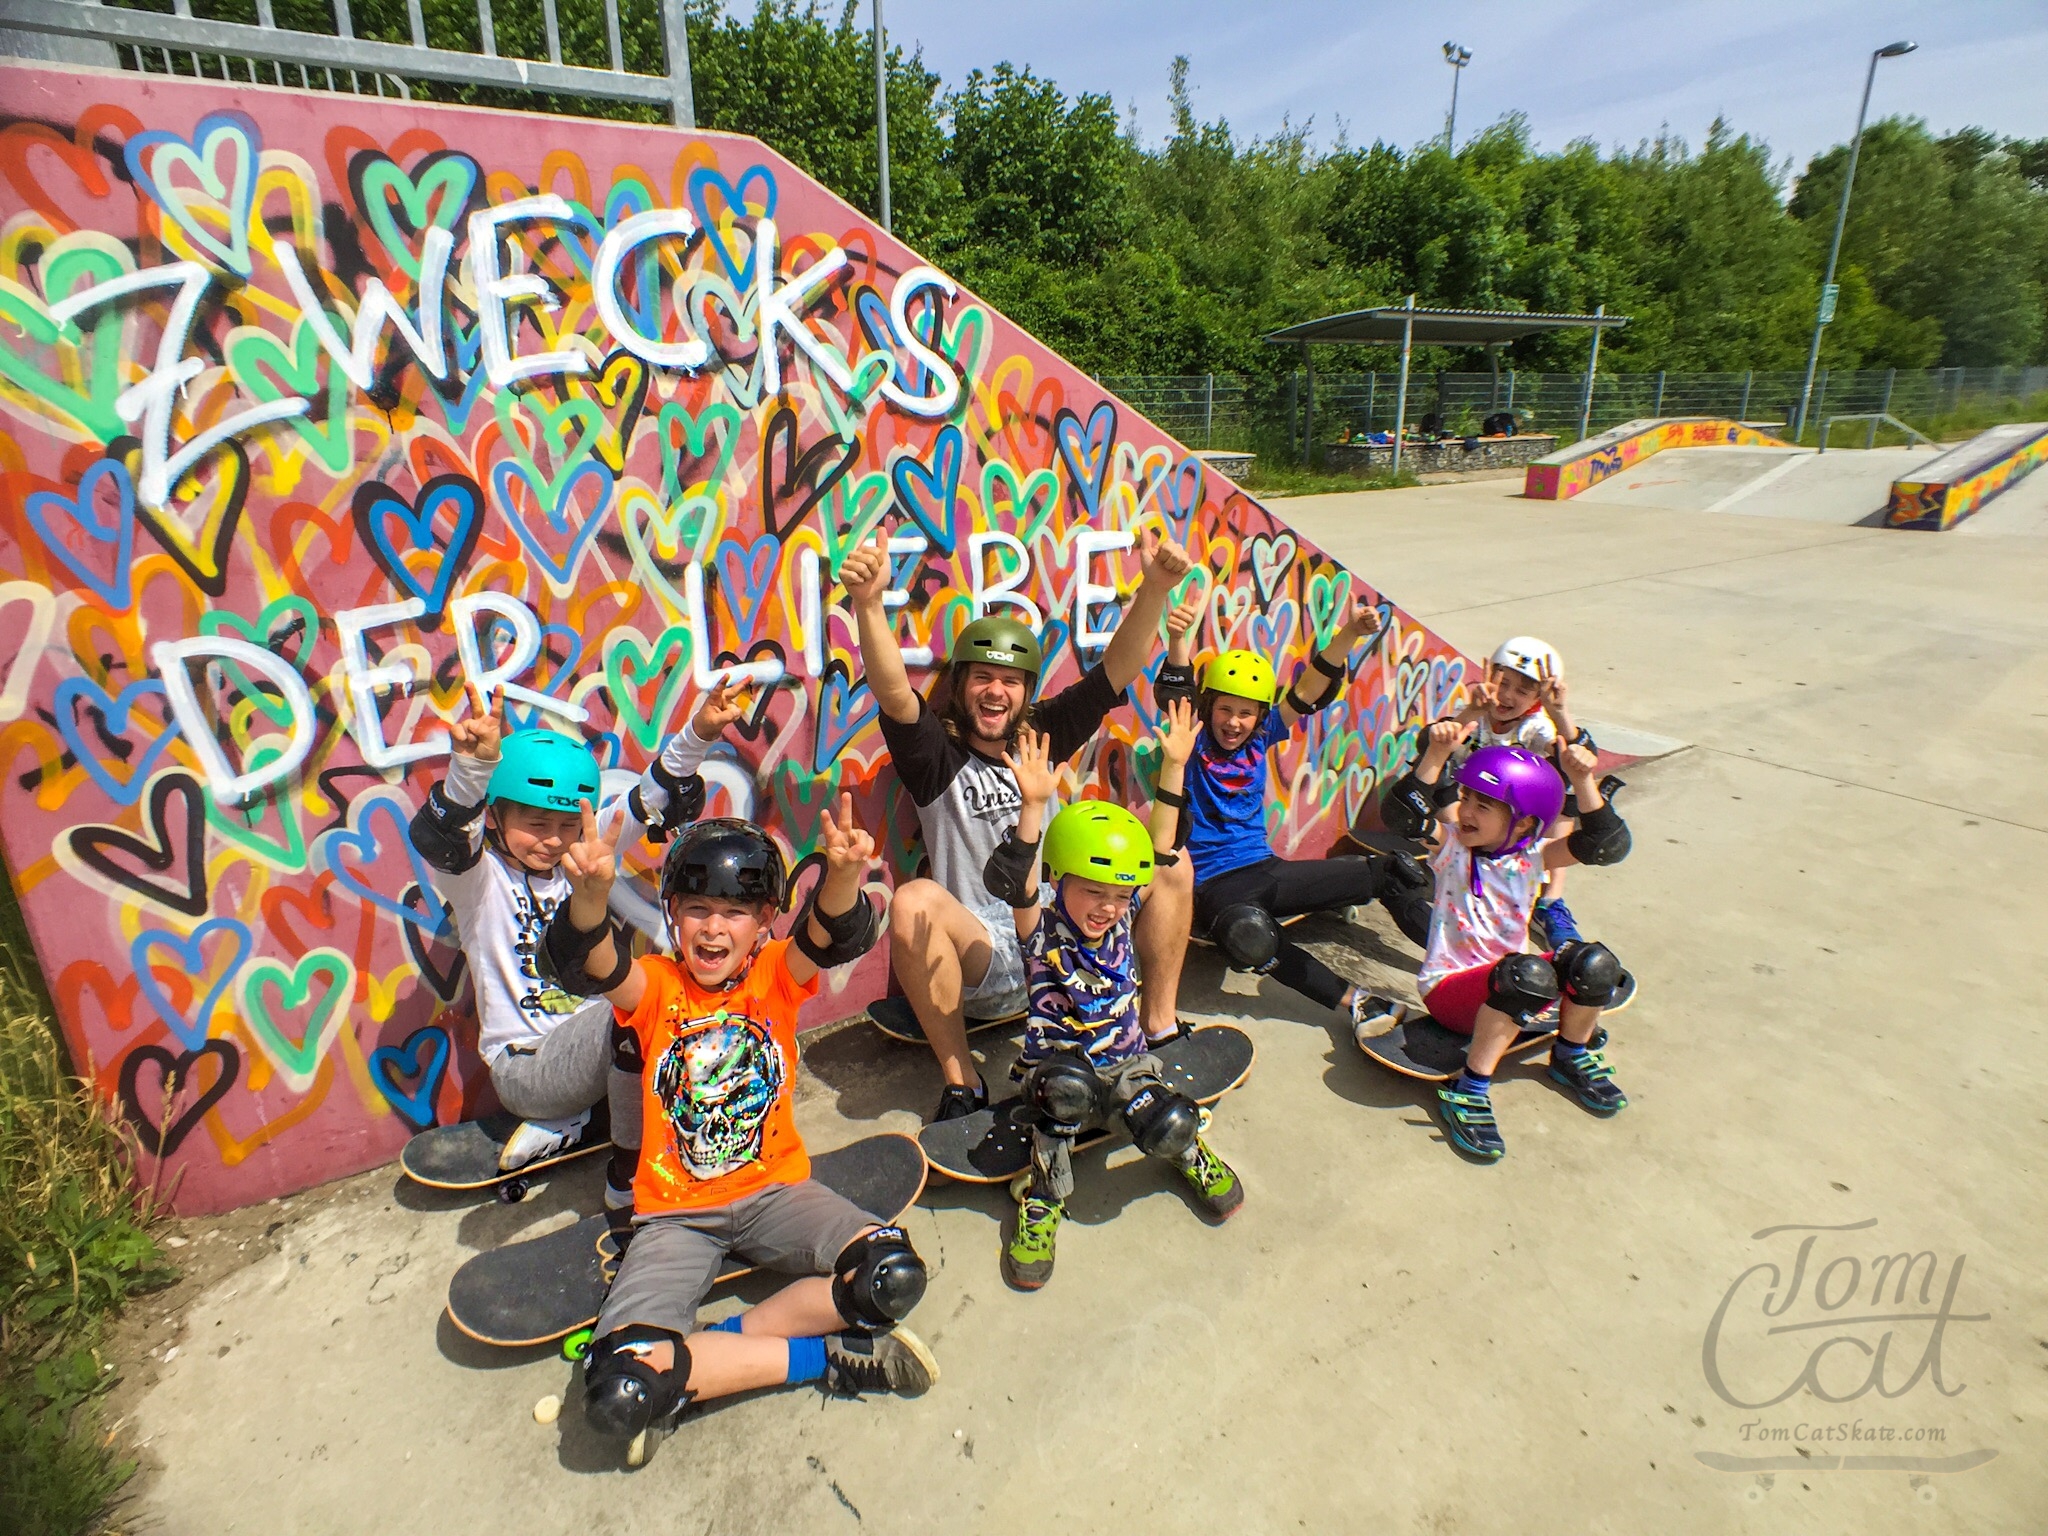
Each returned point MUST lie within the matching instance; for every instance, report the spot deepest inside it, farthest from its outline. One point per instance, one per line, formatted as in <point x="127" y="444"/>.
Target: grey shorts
<point x="800" y="1229"/>
<point x="567" y="1072"/>
<point x="1000" y="993"/>
<point x="1052" y="1157"/>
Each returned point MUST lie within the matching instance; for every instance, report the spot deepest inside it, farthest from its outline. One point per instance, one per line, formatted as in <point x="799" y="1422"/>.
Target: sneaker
<point x="1468" y="1121"/>
<point x="957" y="1101"/>
<point x="1027" y="1261"/>
<point x="538" y="1139"/>
<point x="1590" y="1080"/>
<point x="1559" y="927"/>
<point x="896" y="1361"/>
<point x="1217" y="1187"/>
<point x="1373" y="1016"/>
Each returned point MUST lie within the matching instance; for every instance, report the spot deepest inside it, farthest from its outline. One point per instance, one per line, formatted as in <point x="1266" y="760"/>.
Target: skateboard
<point x="1421" y="1048"/>
<point x="994" y="1144"/>
<point x="465" y="1155"/>
<point x="895" y="1018"/>
<point x="547" y="1288"/>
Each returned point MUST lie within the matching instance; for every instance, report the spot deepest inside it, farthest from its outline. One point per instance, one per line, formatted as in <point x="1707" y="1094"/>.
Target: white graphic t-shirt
<point x="1471" y="928"/>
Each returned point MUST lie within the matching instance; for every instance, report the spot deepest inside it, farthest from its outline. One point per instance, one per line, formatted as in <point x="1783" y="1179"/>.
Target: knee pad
<point x="1588" y="974"/>
<point x="622" y="1393"/>
<point x="1521" y="986"/>
<point x="1064" y="1091"/>
<point x="1248" y="937"/>
<point x="1163" y="1123"/>
<point x="877" y="1280"/>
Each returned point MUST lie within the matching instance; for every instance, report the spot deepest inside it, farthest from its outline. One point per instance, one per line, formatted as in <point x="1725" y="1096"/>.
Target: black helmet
<point x="728" y="858"/>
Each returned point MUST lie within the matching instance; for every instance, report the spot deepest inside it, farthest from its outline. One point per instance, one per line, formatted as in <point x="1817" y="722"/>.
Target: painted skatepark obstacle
<point x="325" y="412"/>
<point x="1561" y="475"/>
<point x="1942" y="493"/>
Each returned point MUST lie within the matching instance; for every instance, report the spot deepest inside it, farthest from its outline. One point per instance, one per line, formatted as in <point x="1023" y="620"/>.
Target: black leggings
<point x="1287" y="888"/>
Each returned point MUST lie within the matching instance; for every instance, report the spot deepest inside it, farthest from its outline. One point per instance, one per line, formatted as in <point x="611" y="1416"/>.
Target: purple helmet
<point x="1520" y="780"/>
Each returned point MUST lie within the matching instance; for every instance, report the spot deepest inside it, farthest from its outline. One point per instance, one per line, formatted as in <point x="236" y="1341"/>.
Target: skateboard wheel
<point x="547" y="1410"/>
<point x="637" y="1448"/>
<point x="512" y="1191"/>
<point x="577" y="1345"/>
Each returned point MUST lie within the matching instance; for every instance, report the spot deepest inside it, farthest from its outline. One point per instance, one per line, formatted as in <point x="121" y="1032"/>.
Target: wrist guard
<point x="1008" y="875"/>
<point x="848" y="935"/>
<point x="564" y="949"/>
<point x="682" y="801"/>
<point x="1602" y="837"/>
<point x="1173" y="682"/>
<point x="1334" y="670"/>
<point x="1409" y="806"/>
<point x="440" y="830"/>
<point x="1177" y="798"/>
<point x="1303" y="707"/>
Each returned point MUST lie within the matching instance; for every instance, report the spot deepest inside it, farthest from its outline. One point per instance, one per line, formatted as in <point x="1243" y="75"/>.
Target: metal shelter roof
<point x="1437" y="327"/>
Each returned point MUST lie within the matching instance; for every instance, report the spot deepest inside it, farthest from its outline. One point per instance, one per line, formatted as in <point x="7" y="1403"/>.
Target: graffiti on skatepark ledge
<point x="323" y="414"/>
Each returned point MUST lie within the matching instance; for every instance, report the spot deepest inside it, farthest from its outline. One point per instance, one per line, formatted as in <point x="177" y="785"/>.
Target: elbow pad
<point x="1172" y="683"/>
<point x="1008" y="875"/>
<point x="1601" y="838"/>
<point x="440" y="830"/>
<point x="564" y="950"/>
<point x="665" y="802"/>
<point x="849" y="934"/>
<point x="1303" y="708"/>
<point x="1409" y="806"/>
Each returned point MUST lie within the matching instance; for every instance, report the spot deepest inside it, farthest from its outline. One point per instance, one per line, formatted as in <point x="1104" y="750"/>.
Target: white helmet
<point x="1531" y="657"/>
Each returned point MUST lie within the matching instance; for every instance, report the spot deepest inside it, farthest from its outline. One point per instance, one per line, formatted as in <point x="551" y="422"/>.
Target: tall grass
<point x="74" y="1245"/>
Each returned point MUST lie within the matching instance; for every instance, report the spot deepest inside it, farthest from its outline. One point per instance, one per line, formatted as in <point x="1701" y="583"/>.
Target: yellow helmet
<point x="1244" y="674"/>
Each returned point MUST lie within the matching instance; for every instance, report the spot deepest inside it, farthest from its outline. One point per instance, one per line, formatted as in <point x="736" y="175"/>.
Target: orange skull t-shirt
<point x="716" y="1089"/>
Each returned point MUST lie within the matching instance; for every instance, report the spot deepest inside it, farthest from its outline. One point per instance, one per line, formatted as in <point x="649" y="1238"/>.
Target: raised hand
<point x="1178" y="730"/>
<point x="1186" y="614"/>
<point x="591" y="862"/>
<point x="1445" y="737"/>
<point x="1360" y="619"/>
<point x="848" y="849"/>
<point x="1161" y="556"/>
<point x="1552" y="690"/>
<point x="1579" y="762"/>
<point x="865" y="572"/>
<point x="722" y="705"/>
<point x="479" y="736"/>
<point x="1032" y="767"/>
<point x="1479" y="691"/>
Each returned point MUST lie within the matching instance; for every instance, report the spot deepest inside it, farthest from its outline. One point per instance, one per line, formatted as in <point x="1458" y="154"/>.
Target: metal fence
<point x="1233" y="411"/>
<point x="461" y="48"/>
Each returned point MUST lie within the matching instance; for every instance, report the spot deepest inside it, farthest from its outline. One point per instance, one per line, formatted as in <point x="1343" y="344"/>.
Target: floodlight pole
<point x="882" y="112"/>
<point x="1457" y="58"/>
<point x="1401" y="396"/>
<point x="1824" y="312"/>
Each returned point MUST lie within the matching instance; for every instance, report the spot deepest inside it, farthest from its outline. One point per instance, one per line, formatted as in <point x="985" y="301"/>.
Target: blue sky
<point x="1612" y="70"/>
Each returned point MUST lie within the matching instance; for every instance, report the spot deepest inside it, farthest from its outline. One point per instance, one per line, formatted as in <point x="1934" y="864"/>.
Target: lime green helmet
<point x="1242" y="674"/>
<point x="544" y="769"/>
<point x="1000" y="643"/>
<point x="1099" y="841"/>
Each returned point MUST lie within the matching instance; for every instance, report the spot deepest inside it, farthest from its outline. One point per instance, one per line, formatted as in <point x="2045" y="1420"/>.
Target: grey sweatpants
<point x="800" y="1229"/>
<point x="568" y="1072"/>
<point x="1052" y="1162"/>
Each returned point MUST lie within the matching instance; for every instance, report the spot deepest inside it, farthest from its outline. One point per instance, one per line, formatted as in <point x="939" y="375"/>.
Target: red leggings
<point x="1455" y="1001"/>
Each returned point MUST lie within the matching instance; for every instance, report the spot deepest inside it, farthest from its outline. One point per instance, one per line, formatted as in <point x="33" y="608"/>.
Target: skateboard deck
<point x="895" y="1018"/>
<point x="465" y="1155"/>
<point x="1419" y="1047"/>
<point x="994" y="1144"/>
<point x="545" y="1288"/>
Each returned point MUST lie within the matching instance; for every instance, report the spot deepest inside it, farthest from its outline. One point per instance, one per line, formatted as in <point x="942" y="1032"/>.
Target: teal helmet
<point x="544" y="769"/>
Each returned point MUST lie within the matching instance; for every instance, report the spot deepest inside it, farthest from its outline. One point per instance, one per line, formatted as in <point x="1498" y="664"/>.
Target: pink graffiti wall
<point x="320" y="410"/>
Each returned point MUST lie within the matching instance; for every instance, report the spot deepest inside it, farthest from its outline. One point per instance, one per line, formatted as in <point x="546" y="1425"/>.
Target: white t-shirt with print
<point x="1471" y="928"/>
<point x="1536" y="731"/>
<point x="501" y="910"/>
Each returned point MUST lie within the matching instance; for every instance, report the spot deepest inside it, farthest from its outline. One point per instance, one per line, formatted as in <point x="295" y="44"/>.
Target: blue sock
<point x="1471" y="1082"/>
<point x="726" y="1325"/>
<point x="1563" y="1047"/>
<point x="806" y="1360"/>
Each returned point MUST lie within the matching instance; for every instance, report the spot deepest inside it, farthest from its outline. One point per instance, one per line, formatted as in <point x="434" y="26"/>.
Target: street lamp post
<point x="882" y="112"/>
<point x="1826" y="310"/>
<point x="1457" y="58"/>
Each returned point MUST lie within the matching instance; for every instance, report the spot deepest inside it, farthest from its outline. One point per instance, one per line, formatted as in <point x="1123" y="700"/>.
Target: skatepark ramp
<point x="1843" y="487"/>
<point x="1941" y="494"/>
<point x="1572" y="471"/>
<point x="325" y="413"/>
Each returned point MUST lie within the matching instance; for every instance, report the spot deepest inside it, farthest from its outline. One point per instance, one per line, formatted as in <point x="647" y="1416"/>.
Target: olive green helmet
<point x="1001" y="643"/>
<point x="1099" y="841"/>
<point x="1243" y="674"/>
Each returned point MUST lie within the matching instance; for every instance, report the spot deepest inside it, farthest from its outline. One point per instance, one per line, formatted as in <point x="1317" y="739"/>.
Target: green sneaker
<point x="1469" y="1123"/>
<point x="1027" y="1261"/>
<point x="1219" y="1190"/>
<point x="1589" y="1078"/>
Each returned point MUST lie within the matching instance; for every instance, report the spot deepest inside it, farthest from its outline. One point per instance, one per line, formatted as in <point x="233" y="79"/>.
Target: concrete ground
<point x="1835" y="904"/>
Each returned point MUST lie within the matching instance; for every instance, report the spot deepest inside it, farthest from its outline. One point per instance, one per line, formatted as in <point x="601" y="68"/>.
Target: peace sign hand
<point x="479" y="736"/>
<point x="591" y="865"/>
<point x="848" y="849"/>
<point x="722" y="705"/>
